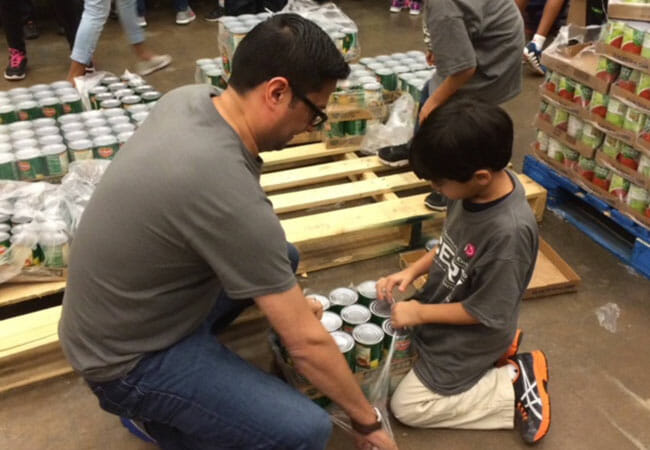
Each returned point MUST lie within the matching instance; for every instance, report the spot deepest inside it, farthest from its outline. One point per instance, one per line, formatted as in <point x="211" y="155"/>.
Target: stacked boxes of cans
<point x="597" y="130"/>
<point x="210" y="71"/>
<point x="361" y="327"/>
<point x="114" y="92"/>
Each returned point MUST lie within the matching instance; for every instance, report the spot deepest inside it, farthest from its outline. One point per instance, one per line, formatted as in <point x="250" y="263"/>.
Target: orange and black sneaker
<point x="512" y="350"/>
<point x="532" y="403"/>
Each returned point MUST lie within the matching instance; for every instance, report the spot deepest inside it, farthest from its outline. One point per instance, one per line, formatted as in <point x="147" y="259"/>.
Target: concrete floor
<point x="599" y="382"/>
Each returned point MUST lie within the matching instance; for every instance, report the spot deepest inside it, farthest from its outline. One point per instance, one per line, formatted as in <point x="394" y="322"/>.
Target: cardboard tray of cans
<point x="627" y="10"/>
<point x="579" y="62"/>
<point x="622" y="57"/>
<point x="623" y="170"/>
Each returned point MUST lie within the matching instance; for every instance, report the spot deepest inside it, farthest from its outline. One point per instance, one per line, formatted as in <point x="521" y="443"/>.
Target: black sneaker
<point x="394" y="155"/>
<point x="17" y="64"/>
<point x="215" y="14"/>
<point x="30" y="30"/>
<point x="532" y="403"/>
<point x="436" y="201"/>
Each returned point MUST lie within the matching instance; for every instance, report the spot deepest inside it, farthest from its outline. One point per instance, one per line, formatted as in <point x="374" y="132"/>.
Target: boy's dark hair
<point x="459" y="138"/>
<point x="290" y="46"/>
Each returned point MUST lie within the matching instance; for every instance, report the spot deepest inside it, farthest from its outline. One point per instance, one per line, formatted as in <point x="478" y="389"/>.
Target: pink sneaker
<point x="397" y="5"/>
<point x="416" y="8"/>
<point x="17" y="64"/>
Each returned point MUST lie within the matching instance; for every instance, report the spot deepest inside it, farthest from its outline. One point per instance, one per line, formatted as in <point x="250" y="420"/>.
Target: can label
<point x="561" y="119"/>
<point x="402" y="341"/>
<point x="105" y="152"/>
<point x="618" y="187"/>
<point x="72" y="107"/>
<point x="368" y="356"/>
<point x="645" y="49"/>
<point x="614" y="36"/>
<point x="31" y="169"/>
<point x="607" y="69"/>
<point x="615" y="112"/>
<point x="586" y="167"/>
<point x="335" y="129"/>
<point x="82" y="155"/>
<point x="567" y="88"/>
<point x="8" y="171"/>
<point x="611" y="147"/>
<point x="643" y="86"/>
<point x="634" y="120"/>
<point x="629" y="157"/>
<point x="632" y="40"/>
<point x="598" y="104"/>
<point x="601" y="177"/>
<point x="582" y="95"/>
<point x="57" y="165"/>
<point x="355" y="127"/>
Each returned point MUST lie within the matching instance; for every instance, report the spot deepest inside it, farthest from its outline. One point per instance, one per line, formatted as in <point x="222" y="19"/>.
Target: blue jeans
<point x="92" y="23"/>
<point x="198" y="395"/>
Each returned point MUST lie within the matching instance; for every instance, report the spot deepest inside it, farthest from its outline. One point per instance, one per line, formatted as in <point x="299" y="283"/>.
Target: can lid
<point x="22" y="125"/>
<point x="95" y="122"/>
<point x="68" y="118"/>
<point x="53" y="149"/>
<point x="123" y="127"/>
<point x="99" y="131"/>
<point x="50" y="139"/>
<point x="385" y="71"/>
<point x="374" y="86"/>
<point x="367" y="60"/>
<point x="380" y="308"/>
<point x="131" y="99"/>
<point x="18" y="91"/>
<point x="343" y="340"/>
<point x="343" y="296"/>
<point x="39" y="87"/>
<point x="47" y="131"/>
<point x="152" y="95"/>
<point x="103" y="97"/>
<point x="124" y="93"/>
<point x="324" y="301"/>
<point x="4" y="236"/>
<point x="115" y="112"/>
<point x="106" y="139"/>
<point x="4" y="109"/>
<point x="76" y="135"/>
<point x="26" y="143"/>
<point x="368" y="288"/>
<point x="30" y="104"/>
<point x="22" y="134"/>
<point x="124" y="136"/>
<point x="61" y="84"/>
<point x="355" y="314"/>
<point x="4" y="138"/>
<point x="140" y="116"/>
<point x="69" y="98"/>
<point x="368" y="334"/>
<point x="117" y="86"/>
<point x="331" y="321"/>
<point x="66" y="91"/>
<point x="48" y="101"/>
<point x="44" y="122"/>
<point x="348" y="30"/>
<point x="28" y="153"/>
<point x="110" y="103"/>
<point x="72" y="126"/>
<point x="81" y="144"/>
<point x="400" y="69"/>
<point x="119" y="120"/>
<point x="6" y="157"/>
<point x="98" y="89"/>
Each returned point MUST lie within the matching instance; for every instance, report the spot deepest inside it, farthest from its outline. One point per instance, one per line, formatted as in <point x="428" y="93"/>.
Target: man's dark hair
<point x="290" y="46"/>
<point x="459" y="138"/>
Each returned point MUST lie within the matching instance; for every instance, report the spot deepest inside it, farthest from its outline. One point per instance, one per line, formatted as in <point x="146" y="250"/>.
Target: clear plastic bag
<point x="397" y="130"/>
<point x="608" y="315"/>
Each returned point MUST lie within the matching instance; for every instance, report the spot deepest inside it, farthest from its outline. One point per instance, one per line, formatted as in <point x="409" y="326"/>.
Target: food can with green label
<point x="30" y="164"/>
<point x="350" y="40"/>
<point x="611" y="146"/>
<point x="335" y="129"/>
<point x="380" y="310"/>
<point x="51" y="107"/>
<point x="369" y="345"/>
<point x="8" y="169"/>
<point x="402" y="341"/>
<point x="387" y="78"/>
<point x="105" y="147"/>
<point x="373" y="97"/>
<point x="29" y="110"/>
<point x="632" y="40"/>
<point x="154" y="96"/>
<point x="354" y="315"/>
<point x="345" y="343"/>
<point x="81" y="150"/>
<point x="598" y="104"/>
<point x="8" y="114"/>
<point x="355" y="127"/>
<point x="331" y="321"/>
<point x="342" y="297"/>
<point x="607" y="69"/>
<point x="139" y="90"/>
<point x="618" y="186"/>
<point x="56" y="159"/>
<point x="129" y="101"/>
<point x="629" y="156"/>
<point x="614" y="33"/>
<point x="561" y="119"/>
<point x="586" y="167"/>
<point x="100" y="98"/>
<point x="616" y="112"/>
<point x="637" y="198"/>
<point x="404" y="81"/>
<point x="634" y="120"/>
<point x="118" y="86"/>
<point x="367" y="292"/>
<point x="92" y="94"/>
<point x="324" y="301"/>
<point x="591" y="136"/>
<point x="72" y="103"/>
<point x="643" y="86"/>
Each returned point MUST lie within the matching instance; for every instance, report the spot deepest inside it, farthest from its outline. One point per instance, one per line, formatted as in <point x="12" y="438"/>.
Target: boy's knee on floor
<point x="403" y="410"/>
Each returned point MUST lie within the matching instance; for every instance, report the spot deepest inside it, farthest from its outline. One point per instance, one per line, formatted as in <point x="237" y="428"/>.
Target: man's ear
<point x="277" y="91"/>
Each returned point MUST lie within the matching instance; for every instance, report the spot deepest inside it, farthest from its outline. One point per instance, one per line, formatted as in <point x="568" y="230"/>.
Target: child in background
<point x="533" y="50"/>
<point x="469" y="374"/>
<point x="414" y="6"/>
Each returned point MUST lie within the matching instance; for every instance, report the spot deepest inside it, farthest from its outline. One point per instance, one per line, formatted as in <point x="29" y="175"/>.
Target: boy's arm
<point x="405" y="277"/>
<point x="412" y="313"/>
<point x="447" y="88"/>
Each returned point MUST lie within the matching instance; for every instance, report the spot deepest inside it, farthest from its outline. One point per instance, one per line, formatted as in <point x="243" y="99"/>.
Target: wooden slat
<point x="302" y="153"/>
<point x="311" y="198"/>
<point x="536" y="195"/>
<point x="369" y="176"/>
<point x="319" y="173"/>
<point x="22" y="333"/>
<point x="16" y="293"/>
<point x="39" y="364"/>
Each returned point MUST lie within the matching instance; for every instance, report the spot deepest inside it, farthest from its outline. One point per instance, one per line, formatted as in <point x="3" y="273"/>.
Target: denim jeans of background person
<point x="94" y="17"/>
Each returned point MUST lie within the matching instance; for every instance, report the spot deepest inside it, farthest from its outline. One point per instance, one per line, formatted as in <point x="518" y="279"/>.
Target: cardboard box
<point x="627" y="172"/>
<point x="343" y="141"/>
<point x="564" y="138"/>
<point x="626" y="58"/>
<point x="630" y="98"/>
<point x="619" y="133"/>
<point x="571" y="61"/>
<point x="343" y="113"/>
<point x="577" y="12"/>
<point x="306" y="137"/>
<point x="627" y="11"/>
<point x="551" y="97"/>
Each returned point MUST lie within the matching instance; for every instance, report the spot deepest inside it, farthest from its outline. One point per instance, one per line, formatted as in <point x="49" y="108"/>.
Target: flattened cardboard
<point x="626" y="58"/>
<point x="627" y="11"/>
<point x="582" y="68"/>
<point x="635" y="177"/>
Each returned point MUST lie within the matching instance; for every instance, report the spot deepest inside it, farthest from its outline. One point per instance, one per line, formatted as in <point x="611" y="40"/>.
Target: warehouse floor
<point x="598" y="380"/>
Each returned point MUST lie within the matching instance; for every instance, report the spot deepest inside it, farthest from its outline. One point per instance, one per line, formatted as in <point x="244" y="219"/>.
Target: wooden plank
<point x="318" y="173"/>
<point x="16" y="293"/>
<point x="370" y="176"/>
<point x="22" y="333"/>
<point x="536" y="195"/>
<point x="302" y="153"/>
<point x="40" y="364"/>
<point x="311" y="198"/>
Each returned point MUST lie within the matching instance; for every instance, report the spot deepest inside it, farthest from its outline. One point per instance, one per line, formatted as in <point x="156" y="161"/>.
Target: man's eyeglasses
<point x="320" y="117"/>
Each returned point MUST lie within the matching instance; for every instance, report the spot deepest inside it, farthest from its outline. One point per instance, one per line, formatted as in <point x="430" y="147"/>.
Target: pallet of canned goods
<point x="210" y="71"/>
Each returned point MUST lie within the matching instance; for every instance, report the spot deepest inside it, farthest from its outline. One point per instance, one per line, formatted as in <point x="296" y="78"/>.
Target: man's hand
<point x="315" y="306"/>
<point x="400" y="279"/>
<point x="376" y="440"/>
<point x="406" y="314"/>
<point x="431" y="60"/>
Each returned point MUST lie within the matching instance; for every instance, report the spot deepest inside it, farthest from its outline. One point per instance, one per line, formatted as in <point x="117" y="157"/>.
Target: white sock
<point x="513" y="371"/>
<point x="539" y="40"/>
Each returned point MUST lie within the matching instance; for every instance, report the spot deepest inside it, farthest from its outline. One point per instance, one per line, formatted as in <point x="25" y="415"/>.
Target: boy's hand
<point x="431" y="60"/>
<point x="376" y="440"/>
<point x="400" y="279"/>
<point x="406" y="314"/>
<point x="315" y="306"/>
<point x="427" y="109"/>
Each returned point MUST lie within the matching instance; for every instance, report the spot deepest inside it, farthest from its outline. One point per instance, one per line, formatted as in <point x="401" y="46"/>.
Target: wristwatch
<point x="367" y="429"/>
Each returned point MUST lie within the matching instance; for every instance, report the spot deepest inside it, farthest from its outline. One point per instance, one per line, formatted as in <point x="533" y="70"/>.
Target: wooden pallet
<point x="335" y="205"/>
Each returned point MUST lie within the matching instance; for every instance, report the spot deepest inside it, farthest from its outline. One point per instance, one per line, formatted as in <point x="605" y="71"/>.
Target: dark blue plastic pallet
<point x="606" y="225"/>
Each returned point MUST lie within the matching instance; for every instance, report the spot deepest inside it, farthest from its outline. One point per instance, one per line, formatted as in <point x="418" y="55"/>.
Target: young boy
<point x="465" y="318"/>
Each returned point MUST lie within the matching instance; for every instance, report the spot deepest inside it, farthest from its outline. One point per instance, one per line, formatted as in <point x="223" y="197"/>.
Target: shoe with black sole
<point x="436" y="201"/>
<point x="30" y="30"/>
<point x="17" y="66"/>
<point x="532" y="402"/>
<point x="394" y="155"/>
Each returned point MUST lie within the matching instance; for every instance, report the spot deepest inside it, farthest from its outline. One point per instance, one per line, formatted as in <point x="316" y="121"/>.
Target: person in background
<point x="68" y="13"/>
<point x="184" y="14"/>
<point x="95" y="14"/>
<point x="414" y="6"/>
<point x="30" y="29"/>
<point x="533" y="50"/>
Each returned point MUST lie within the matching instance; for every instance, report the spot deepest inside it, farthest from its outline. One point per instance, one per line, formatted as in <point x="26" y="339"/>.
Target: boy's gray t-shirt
<point x="178" y="216"/>
<point x="485" y="261"/>
<point x="486" y="34"/>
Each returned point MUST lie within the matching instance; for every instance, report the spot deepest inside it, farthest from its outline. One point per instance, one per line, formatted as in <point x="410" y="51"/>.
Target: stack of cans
<point x="39" y="101"/>
<point x="232" y="30"/>
<point x="210" y="71"/>
<point x="114" y="92"/>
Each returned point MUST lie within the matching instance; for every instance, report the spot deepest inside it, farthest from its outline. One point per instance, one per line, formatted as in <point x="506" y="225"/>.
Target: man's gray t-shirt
<point x="486" y="34"/>
<point x="485" y="262"/>
<point x="178" y="216"/>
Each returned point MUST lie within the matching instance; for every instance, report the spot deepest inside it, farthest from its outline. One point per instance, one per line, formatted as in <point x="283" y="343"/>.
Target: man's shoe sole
<point x="211" y="20"/>
<point x="435" y="207"/>
<point x="151" y="70"/>
<point x="401" y="163"/>
<point x="186" y="21"/>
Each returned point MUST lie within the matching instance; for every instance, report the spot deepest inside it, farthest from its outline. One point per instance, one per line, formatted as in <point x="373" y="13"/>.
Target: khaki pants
<point x="488" y="405"/>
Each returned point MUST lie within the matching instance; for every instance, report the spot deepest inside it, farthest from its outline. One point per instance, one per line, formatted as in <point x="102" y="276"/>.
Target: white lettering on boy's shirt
<point x="453" y="264"/>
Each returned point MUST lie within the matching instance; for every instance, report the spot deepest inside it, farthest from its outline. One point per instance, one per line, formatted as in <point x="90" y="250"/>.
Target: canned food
<point x="8" y="169"/>
<point x="345" y="343"/>
<point x="634" y="120"/>
<point x="30" y="164"/>
<point x="22" y="134"/>
<point x="355" y="127"/>
<point x="351" y="40"/>
<point x="50" y="139"/>
<point x="92" y="94"/>
<point x="602" y="177"/>
<point x="90" y="115"/>
<point x="110" y="103"/>
<point x="123" y="137"/>
<point x="69" y="118"/>
<point x="95" y="122"/>
<point x="643" y="86"/>
<point x="107" y="114"/>
<point x="574" y="128"/>
<point x="566" y="88"/>
<point x="368" y="338"/>
<point x="586" y="167"/>
<point x="99" y="131"/>
<point x="129" y="101"/>
<point x="17" y="126"/>
<point x="8" y="114"/>
<point x="22" y="98"/>
<point x="387" y="78"/>
<point x="47" y="131"/>
<point x="616" y="112"/>
<point x="324" y="301"/>
<point x="570" y="157"/>
<point x="382" y="58"/>
<point x="51" y="107"/>
<point x="44" y="122"/>
<point x="118" y="86"/>
<point x="629" y="156"/>
<point x="105" y="146"/>
<point x="72" y="127"/>
<point x="380" y="310"/>
<point x="354" y="315"/>
<point x="140" y="117"/>
<point x="117" y="120"/>
<point x="335" y="129"/>
<point x="342" y="297"/>
<point x="25" y="143"/>
<point x="591" y="136"/>
<point x="637" y="198"/>
<point x="561" y="119"/>
<point x="56" y="159"/>
<point x="367" y="292"/>
<point x="137" y="109"/>
<point x="39" y="87"/>
<point x="81" y="149"/>
<point x="598" y="104"/>
<point x="619" y="186"/>
<point x="607" y="69"/>
<point x="542" y="141"/>
<point x="611" y="146"/>
<point x="139" y="90"/>
<point x="15" y="92"/>
<point x="372" y="95"/>
<point x="71" y="103"/>
<point x="63" y="84"/>
<point x="614" y="33"/>
<point x="628" y="79"/>
<point x="632" y="40"/>
<point x="367" y="60"/>
<point x="401" y="338"/>
<point x="123" y="128"/>
<point x="154" y="96"/>
<point x="555" y="150"/>
<point x="29" y="110"/>
<point x="123" y="93"/>
<point x="331" y="321"/>
<point x="100" y="98"/>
